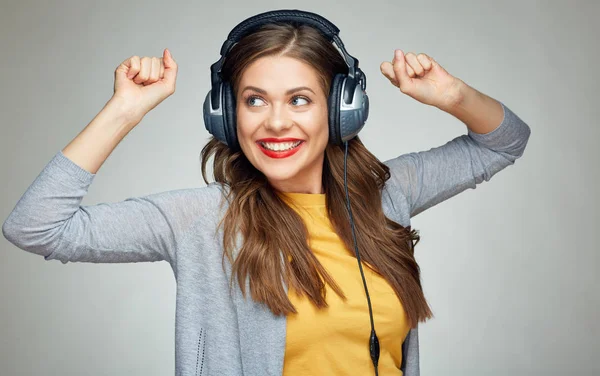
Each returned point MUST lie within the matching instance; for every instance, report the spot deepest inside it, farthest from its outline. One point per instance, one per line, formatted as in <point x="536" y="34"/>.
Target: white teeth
<point x="280" y="146"/>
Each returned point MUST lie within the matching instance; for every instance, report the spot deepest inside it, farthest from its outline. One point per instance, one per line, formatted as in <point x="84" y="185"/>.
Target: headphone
<point x="348" y="103"/>
<point x="348" y="106"/>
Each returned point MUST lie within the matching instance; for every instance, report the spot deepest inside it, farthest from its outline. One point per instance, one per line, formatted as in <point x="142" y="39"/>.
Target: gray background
<point x="510" y="269"/>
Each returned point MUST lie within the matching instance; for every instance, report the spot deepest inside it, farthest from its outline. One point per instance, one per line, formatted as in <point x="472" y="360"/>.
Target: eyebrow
<point x="259" y="90"/>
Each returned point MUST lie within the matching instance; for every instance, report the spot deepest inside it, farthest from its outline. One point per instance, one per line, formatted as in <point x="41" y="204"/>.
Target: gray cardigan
<point x="217" y="333"/>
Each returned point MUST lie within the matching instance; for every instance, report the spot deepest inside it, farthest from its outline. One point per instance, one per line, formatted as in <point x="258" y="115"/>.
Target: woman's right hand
<point x="141" y="83"/>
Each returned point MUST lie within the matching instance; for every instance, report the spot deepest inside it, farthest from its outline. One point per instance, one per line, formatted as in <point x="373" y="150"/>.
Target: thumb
<point x="170" y="73"/>
<point x="122" y="70"/>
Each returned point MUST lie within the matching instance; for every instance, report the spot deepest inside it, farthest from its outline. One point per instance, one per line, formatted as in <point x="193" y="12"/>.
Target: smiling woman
<point x="289" y="172"/>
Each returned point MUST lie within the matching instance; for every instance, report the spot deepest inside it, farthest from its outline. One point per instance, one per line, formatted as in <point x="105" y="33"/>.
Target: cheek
<point x="244" y="139"/>
<point x="323" y="138"/>
<point x="323" y="132"/>
<point x="243" y="130"/>
<point x="319" y="129"/>
<point x="247" y="123"/>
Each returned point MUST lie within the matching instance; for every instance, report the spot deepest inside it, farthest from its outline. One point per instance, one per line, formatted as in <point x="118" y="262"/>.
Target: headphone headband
<point x="250" y="24"/>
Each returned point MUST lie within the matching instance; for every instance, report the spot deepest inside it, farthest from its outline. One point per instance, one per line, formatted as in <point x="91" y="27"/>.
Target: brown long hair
<point x="272" y="231"/>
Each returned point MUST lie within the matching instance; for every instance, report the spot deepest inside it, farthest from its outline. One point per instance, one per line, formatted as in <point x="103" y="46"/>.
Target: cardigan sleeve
<point x="429" y="177"/>
<point x="48" y="219"/>
<point x="410" y="354"/>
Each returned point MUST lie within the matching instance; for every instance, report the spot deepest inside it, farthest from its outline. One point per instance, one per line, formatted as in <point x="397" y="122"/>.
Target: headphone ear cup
<point x="335" y="94"/>
<point x="213" y="115"/>
<point x="229" y="115"/>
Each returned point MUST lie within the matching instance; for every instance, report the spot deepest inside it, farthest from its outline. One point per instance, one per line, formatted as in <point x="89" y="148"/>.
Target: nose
<point x="278" y="119"/>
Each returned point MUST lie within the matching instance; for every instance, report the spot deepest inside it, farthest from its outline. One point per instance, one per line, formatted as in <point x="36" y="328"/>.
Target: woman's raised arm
<point x="496" y="136"/>
<point x="48" y="219"/>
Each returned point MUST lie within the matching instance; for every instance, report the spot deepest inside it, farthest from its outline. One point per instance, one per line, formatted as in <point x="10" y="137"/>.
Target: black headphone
<point x="348" y="103"/>
<point x="348" y="107"/>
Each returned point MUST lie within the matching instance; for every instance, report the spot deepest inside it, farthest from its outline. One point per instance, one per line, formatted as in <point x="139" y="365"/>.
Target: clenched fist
<point x="422" y="78"/>
<point x="141" y="83"/>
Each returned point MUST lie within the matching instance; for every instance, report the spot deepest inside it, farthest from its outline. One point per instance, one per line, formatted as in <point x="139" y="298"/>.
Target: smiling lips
<point x="279" y="147"/>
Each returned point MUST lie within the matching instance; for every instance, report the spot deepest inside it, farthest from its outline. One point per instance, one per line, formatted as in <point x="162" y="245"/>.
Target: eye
<point x="249" y="98"/>
<point x="303" y="98"/>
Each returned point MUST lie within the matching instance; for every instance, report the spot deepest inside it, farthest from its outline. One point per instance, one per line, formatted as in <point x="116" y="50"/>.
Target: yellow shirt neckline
<point x="304" y="199"/>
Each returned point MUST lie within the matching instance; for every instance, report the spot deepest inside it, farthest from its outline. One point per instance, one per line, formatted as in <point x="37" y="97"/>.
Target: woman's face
<point x="282" y="122"/>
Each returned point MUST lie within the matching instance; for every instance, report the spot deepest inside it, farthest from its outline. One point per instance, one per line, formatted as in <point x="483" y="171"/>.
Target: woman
<point x="267" y="282"/>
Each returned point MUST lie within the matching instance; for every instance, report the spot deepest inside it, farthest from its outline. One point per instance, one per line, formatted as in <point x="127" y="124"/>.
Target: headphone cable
<point x="373" y="341"/>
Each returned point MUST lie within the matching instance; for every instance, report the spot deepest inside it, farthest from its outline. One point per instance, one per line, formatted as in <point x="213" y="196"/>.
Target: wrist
<point x="457" y="96"/>
<point x="124" y="115"/>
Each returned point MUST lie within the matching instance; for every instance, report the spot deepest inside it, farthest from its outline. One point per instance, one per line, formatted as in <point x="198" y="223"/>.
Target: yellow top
<point x="335" y="340"/>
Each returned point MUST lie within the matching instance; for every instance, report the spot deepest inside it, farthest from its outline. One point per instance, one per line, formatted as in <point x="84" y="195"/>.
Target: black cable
<point x="373" y="340"/>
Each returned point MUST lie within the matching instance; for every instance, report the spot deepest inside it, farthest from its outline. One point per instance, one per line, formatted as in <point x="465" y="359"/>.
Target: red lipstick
<point x="279" y="154"/>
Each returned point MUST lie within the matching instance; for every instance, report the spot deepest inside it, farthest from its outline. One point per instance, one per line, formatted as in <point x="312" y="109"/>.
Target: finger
<point x="154" y="71"/>
<point x="134" y="66"/>
<point x="400" y="70"/>
<point x="410" y="71"/>
<point x="425" y="61"/>
<point x="411" y="59"/>
<point x="170" y="68"/>
<point x="162" y="69"/>
<point x="144" y="74"/>
<point x="388" y="71"/>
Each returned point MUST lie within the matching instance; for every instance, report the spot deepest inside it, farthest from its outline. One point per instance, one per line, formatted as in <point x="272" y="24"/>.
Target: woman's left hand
<point x="422" y="78"/>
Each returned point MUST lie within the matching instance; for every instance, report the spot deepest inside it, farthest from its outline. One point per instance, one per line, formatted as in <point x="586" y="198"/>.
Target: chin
<point x="279" y="175"/>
